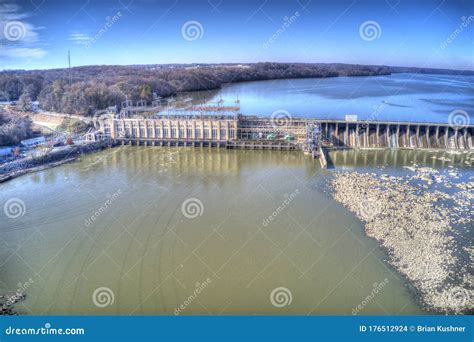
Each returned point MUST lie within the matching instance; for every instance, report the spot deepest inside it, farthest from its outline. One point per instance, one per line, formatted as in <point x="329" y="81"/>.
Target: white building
<point x="5" y="151"/>
<point x="33" y="141"/>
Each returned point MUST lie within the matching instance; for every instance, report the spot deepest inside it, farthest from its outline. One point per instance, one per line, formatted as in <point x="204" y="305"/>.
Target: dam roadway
<point x="242" y="131"/>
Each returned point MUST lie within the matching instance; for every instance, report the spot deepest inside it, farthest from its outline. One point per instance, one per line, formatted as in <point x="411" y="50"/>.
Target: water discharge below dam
<point x="115" y="220"/>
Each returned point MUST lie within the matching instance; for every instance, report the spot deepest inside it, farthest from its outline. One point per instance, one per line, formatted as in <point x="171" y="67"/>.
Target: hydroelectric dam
<point x="200" y="128"/>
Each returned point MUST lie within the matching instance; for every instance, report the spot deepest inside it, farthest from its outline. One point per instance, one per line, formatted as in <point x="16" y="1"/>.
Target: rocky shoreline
<point x="416" y="219"/>
<point x="20" y="167"/>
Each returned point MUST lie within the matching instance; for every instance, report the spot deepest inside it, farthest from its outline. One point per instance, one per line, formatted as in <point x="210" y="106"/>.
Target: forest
<point x="84" y="90"/>
<point x="14" y="128"/>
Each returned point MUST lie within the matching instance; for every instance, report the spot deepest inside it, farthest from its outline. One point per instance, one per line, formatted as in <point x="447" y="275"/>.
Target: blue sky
<point x="36" y="34"/>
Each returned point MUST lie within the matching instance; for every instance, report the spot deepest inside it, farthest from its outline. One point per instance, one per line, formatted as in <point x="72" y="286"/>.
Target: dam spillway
<point x="243" y="131"/>
<point x="409" y="135"/>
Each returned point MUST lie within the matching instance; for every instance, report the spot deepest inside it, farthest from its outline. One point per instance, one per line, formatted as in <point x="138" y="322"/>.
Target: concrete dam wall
<point x="253" y="132"/>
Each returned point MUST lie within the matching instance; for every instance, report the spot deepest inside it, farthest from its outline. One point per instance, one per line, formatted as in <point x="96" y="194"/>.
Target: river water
<point x="148" y="230"/>
<point x="116" y="220"/>
<point x="396" y="97"/>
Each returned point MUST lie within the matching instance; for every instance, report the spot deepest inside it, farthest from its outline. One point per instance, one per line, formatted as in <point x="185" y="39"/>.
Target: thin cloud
<point x="80" y="38"/>
<point x="11" y="12"/>
<point x="19" y="37"/>
<point x="22" y="52"/>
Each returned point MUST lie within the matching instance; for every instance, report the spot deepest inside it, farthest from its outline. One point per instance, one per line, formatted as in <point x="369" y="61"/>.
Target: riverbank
<point x="419" y="220"/>
<point x="68" y="154"/>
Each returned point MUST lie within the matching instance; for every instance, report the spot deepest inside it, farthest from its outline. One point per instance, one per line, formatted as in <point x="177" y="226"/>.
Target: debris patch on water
<point x="423" y="219"/>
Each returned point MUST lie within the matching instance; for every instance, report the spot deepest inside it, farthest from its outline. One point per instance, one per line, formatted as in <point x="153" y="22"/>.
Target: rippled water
<point x="151" y="253"/>
<point x="396" y="97"/>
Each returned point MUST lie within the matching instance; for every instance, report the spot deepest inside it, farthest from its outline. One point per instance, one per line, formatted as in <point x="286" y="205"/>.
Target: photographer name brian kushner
<point x="440" y="328"/>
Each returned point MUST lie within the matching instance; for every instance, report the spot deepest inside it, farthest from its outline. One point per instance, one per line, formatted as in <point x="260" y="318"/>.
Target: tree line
<point x="84" y="90"/>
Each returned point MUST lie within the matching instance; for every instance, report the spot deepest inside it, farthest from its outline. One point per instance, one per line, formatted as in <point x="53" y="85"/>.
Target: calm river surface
<point x="397" y="97"/>
<point x="152" y="254"/>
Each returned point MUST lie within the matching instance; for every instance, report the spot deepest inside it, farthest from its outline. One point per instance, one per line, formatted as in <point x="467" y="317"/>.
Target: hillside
<point x="84" y="90"/>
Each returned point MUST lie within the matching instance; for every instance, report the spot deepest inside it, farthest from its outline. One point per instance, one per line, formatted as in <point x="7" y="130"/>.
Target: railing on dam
<point x="241" y="130"/>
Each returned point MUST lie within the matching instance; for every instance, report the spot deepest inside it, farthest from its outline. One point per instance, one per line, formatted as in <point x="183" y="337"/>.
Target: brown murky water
<point x="138" y="230"/>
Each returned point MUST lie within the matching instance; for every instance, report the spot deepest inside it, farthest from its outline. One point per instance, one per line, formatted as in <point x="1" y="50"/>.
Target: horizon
<point x="420" y="34"/>
<point x="233" y="64"/>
